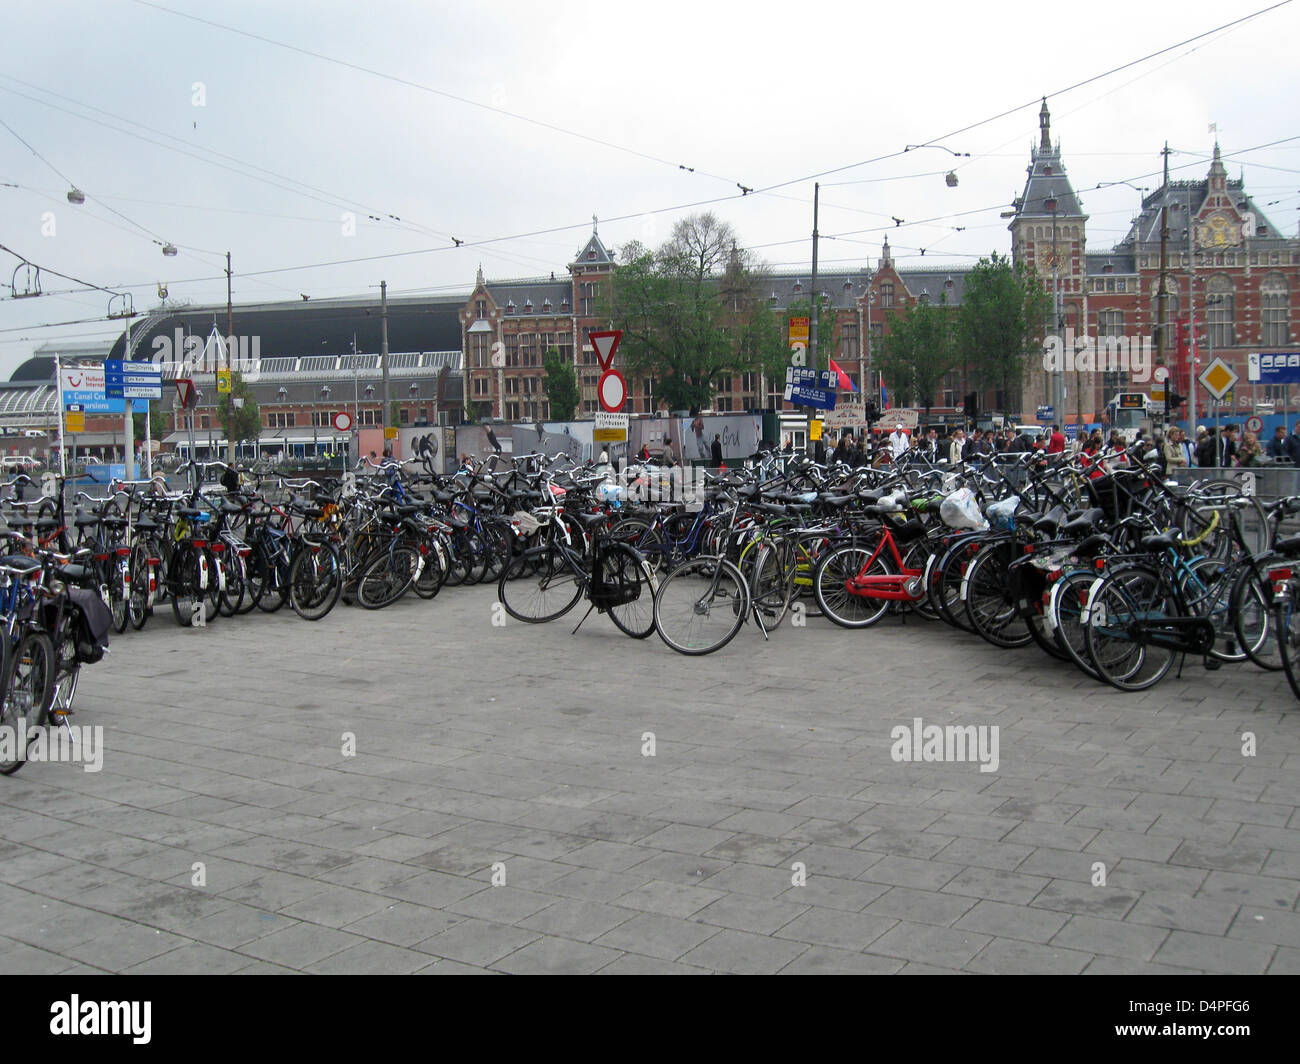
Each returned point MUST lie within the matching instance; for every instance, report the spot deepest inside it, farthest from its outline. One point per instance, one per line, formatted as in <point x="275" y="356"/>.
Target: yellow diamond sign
<point x="1218" y="378"/>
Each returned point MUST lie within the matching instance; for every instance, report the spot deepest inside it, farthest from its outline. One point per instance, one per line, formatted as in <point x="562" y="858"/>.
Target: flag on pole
<point x="845" y="382"/>
<point x="884" y="395"/>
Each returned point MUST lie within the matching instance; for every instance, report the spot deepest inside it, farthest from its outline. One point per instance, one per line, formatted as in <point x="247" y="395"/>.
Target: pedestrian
<point x="956" y="447"/>
<point x="716" y="449"/>
<point x="1293" y="445"/>
<point x="1228" y="447"/>
<point x="1250" y="453"/>
<point x="899" y="441"/>
<point x="1056" y="441"/>
<point x="1207" y="448"/>
<point x="1176" y="456"/>
<point x="1276" y="447"/>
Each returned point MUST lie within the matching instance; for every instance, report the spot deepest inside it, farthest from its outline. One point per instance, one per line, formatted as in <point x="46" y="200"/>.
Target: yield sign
<point x="606" y="343"/>
<point x="1218" y="378"/>
<point x="185" y="389"/>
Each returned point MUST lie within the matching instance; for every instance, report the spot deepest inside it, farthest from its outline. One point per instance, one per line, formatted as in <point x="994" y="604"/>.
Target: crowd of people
<point x="1226" y="448"/>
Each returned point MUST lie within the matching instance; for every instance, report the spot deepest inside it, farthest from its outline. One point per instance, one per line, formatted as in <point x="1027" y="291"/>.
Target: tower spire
<point x="1045" y="127"/>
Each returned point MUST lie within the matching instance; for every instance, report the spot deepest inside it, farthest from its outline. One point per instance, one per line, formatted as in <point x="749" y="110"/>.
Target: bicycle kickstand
<point x="584" y="618"/>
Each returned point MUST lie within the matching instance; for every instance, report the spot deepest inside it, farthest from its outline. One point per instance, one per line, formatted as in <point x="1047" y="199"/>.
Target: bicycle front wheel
<point x="28" y="686"/>
<point x="701" y="605"/>
<point x="539" y="587"/>
<point x="1119" y="607"/>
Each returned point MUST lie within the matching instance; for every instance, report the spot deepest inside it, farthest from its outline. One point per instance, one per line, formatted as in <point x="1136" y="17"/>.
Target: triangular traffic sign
<point x="606" y="343"/>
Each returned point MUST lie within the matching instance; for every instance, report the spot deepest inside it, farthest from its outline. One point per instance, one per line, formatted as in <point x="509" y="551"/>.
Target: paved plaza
<point x="418" y="790"/>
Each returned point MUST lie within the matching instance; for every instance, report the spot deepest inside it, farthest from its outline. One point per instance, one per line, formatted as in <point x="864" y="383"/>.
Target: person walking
<point x="716" y="449"/>
<point x="1293" y="445"/>
<point x="1056" y="441"/>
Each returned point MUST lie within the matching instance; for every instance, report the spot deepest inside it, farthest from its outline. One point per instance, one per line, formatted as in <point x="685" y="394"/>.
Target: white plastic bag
<point x="1002" y="515"/>
<point x="960" y="510"/>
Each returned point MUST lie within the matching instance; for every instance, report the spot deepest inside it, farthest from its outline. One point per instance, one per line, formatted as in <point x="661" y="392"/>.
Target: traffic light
<point x="971" y="405"/>
<point x="1173" y="401"/>
<point x="872" y="412"/>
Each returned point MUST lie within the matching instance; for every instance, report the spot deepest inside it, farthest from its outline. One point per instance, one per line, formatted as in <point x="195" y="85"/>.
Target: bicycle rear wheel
<point x="835" y="585"/>
<point x="315" y="580"/>
<point x="990" y="604"/>
<point x="1286" y="622"/>
<point x="387" y="576"/>
<point x="700" y="605"/>
<point x="622" y="568"/>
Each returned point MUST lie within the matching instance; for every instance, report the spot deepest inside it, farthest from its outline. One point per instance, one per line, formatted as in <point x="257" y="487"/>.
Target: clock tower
<point x="1048" y="236"/>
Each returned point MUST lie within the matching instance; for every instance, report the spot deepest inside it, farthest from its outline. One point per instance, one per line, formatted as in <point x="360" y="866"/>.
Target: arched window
<point x="886" y="295"/>
<point x="1275" y="311"/>
<point x="1219" y="299"/>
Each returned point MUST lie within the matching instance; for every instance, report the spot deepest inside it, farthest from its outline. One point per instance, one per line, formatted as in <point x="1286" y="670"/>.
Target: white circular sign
<point x="1254" y="424"/>
<point x="342" y="421"/>
<point x="1161" y="373"/>
<point x="612" y="389"/>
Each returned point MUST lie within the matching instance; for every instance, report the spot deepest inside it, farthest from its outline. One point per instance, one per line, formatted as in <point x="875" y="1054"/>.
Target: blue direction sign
<point x="1046" y="413"/>
<point x="811" y="378"/>
<point x="132" y="380"/>
<point x="1282" y="368"/>
<point x="821" y="398"/>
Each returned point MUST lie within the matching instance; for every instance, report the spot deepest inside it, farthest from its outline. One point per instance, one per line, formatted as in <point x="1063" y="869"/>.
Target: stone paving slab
<point x="417" y="790"/>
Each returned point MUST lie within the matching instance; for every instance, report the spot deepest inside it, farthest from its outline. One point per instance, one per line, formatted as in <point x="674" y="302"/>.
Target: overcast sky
<point x="508" y="125"/>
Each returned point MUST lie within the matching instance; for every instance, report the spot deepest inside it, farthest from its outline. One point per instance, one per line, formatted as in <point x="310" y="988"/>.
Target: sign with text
<point x="1265" y="368"/>
<point x="84" y="386"/>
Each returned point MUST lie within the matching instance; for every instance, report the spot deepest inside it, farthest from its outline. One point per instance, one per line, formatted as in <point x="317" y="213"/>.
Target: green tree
<point x="240" y="421"/>
<point x="918" y="352"/>
<point x="1003" y="314"/>
<point x="688" y="310"/>
<point x="158" y="420"/>
<point x="561" y="385"/>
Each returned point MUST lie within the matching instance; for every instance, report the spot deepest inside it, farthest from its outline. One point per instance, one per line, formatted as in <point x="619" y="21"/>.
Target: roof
<point x="594" y="252"/>
<point x="326" y="326"/>
<point x="1183" y="200"/>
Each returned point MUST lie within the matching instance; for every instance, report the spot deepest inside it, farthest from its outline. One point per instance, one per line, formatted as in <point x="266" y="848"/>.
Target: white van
<point x="34" y="434"/>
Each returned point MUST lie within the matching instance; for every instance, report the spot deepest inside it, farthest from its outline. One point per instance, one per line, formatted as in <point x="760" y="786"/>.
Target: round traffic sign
<point x="342" y="421"/>
<point x="1161" y="374"/>
<point x="1255" y="424"/>
<point x="612" y="390"/>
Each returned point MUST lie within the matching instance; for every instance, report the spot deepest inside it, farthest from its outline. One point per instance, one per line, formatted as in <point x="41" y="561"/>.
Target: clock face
<point x="1045" y="255"/>
<point x="1219" y="231"/>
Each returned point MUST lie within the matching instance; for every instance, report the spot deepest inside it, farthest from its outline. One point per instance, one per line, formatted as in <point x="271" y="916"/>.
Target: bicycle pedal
<point x="1212" y="664"/>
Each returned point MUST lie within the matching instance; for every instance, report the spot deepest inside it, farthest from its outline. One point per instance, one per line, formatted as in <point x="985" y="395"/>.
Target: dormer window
<point x="528" y="305"/>
<point x="948" y="283"/>
<point x="510" y="307"/>
<point x="798" y="286"/>
<point x="564" y="306"/>
<point x="546" y="307"/>
<point x="591" y="255"/>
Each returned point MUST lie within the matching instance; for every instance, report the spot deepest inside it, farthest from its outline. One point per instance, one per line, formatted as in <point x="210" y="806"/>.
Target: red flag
<point x="845" y="382"/>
